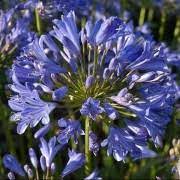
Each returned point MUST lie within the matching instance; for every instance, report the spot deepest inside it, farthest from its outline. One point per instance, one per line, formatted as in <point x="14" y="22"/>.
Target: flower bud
<point x="89" y="81"/>
<point x="43" y="163"/>
<point x="33" y="158"/>
<point x="53" y="168"/>
<point x="11" y="176"/>
<point x="30" y="173"/>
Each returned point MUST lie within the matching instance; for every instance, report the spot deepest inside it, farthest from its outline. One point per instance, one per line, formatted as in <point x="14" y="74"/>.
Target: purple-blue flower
<point x="49" y="150"/>
<point x="42" y="131"/>
<point x="30" y="110"/>
<point x="94" y="175"/>
<point x="111" y="112"/>
<point x="69" y="129"/>
<point x="104" y="72"/>
<point x="93" y="143"/>
<point x="119" y="143"/>
<point x="76" y="161"/>
<point x="91" y="108"/>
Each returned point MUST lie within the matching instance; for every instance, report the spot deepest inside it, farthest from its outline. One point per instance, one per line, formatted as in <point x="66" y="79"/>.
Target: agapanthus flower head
<point x="104" y="73"/>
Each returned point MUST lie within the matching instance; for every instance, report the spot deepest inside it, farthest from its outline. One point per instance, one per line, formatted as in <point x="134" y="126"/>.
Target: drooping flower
<point x="76" y="161"/>
<point x="120" y="143"/>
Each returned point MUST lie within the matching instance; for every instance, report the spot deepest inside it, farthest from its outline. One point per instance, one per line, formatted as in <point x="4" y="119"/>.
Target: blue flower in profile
<point x="120" y="143"/>
<point x="70" y="129"/>
<point x="94" y="175"/>
<point x="30" y="109"/>
<point x="49" y="150"/>
<point x="76" y="161"/>
<point x="66" y="32"/>
<point x="42" y="131"/>
<point x="91" y="108"/>
<point x="12" y="164"/>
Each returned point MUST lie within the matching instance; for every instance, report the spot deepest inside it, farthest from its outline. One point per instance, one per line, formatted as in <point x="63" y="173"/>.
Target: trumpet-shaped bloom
<point x="70" y="129"/>
<point x="49" y="150"/>
<point x="120" y="143"/>
<point x="76" y="161"/>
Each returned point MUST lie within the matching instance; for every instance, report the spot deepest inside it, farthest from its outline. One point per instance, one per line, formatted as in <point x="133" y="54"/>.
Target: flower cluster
<point x="74" y="81"/>
<point x="14" y="30"/>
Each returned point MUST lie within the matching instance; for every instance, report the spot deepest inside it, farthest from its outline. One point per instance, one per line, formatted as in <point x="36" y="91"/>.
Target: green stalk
<point x="162" y="27"/>
<point x="87" y="152"/>
<point x="38" y="22"/>
<point x="150" y="14"/>
<point x="95" y="61"/>
<point x="47" y="173"/>
<point x="37" y="174"/>
<point x="177" y="31"/>
<point x="142" y="16"/>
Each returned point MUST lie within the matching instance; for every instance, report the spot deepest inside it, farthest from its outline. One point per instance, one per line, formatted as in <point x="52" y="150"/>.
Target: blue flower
<point x="42" y="131"/>
<point x="110" y="72"/>
<point x="12" y="164"/>
<point x="111" y="112"/>
<point x="104" y="31"/>
<point x="120" y="143"/>
<point x="71" y="129"/>
<point x="93" y="144"/>
<point x="14" y="32"/>
<point x="76" y="160"/>
<point x="91" y="108"/>
<point x="49" y="151"/>
<point x="66" y="32"/>
<point x="94" y="175"/>
<point x="58" y="94"/>
<point x="30" y="109"/>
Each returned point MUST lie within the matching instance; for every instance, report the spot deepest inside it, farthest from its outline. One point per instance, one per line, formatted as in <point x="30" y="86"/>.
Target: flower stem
<point x="38" y="21"/>
<point x="142" y="16"/>
<point x="47" y="173"/>
<point x="177" y="31"/>
<point x="150" y="14"/>
<point x="37" y="174"/>
<point x="162" y="27"/>
<point x="87" y="152"/>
